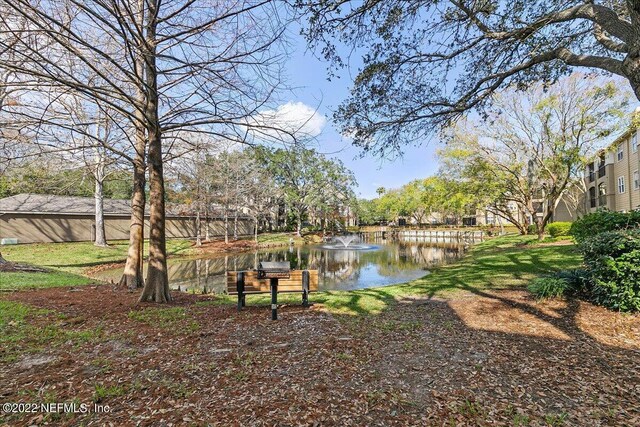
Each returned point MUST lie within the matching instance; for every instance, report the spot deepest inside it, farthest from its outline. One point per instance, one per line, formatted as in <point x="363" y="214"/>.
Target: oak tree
<point x="427" y="62"/>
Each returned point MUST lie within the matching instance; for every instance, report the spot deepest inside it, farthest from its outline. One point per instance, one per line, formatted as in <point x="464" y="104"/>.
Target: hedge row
<point x="599" y="222"/>
<point x="610" y="244"/>
<point x="613" y="259"/>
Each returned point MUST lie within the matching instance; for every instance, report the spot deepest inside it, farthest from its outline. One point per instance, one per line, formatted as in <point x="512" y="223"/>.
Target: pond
<point x="377" y="264"/>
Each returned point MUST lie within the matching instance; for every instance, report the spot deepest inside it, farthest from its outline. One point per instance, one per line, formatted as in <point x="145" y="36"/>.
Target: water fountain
<point x="347" y="242"/>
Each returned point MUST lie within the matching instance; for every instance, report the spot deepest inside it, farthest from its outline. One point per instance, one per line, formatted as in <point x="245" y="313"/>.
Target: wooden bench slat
<point x="255" y="285"/>
<point x="250" y="284"/>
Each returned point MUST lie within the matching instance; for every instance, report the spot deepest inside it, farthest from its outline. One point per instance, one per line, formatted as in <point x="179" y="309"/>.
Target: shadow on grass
<point x="108" y="258"/>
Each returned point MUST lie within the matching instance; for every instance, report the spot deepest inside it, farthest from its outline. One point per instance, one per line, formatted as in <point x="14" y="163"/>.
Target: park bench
<point x="273" y="278"/>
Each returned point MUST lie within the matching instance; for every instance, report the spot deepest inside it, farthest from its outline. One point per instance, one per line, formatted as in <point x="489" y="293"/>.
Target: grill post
<point x="305" y="288"/>
<point x="240" y="289"/>
<point x="274" y="298"/>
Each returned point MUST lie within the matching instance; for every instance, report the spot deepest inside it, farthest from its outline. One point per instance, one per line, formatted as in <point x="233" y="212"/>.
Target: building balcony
<point x="602" y="171"/>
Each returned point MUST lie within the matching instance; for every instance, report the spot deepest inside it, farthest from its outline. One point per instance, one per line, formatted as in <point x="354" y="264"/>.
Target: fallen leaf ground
<point x="482" y="358"/>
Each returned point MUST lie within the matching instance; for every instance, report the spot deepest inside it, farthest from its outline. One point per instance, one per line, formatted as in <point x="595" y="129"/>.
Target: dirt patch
<point x="485" y="359"/>
<point x="219" y="246"/>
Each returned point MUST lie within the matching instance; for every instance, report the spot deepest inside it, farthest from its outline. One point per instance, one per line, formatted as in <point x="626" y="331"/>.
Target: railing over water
<point x="431" y="236"/>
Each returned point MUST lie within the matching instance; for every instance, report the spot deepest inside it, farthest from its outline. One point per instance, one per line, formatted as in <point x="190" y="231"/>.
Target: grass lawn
<point x="75" y="257"/>
<point x="19" y="280"/>
<point x="68" y="261"/>
<point x="273" y="239"/>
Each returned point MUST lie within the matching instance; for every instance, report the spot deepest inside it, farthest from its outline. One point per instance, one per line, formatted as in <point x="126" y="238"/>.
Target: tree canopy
<point x="433" y="200"/>
<point x="309" y="181"/>
<point x="427" y="62"/>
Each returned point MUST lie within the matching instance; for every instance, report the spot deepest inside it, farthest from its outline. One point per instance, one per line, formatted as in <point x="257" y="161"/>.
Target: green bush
<point x="532" y="229"/>
<point x="578" y="281"/>
<point x="556" y="229"/>
<point x="565" y="282"/>
<point x="601" y="221"/>
<point x="613" y="260"/>
<point x="548" y="287"/>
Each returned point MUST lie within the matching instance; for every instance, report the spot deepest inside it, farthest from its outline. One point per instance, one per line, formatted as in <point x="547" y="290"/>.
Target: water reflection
<point x="384" y="264"/>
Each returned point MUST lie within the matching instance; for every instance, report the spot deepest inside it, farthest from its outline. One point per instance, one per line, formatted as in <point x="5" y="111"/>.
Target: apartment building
<point x="612" y="179"/>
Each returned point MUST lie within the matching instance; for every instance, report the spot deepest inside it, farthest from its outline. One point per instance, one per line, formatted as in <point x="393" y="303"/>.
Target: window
<point x="634" y="142"/>
<point x="636" y="180"/>
<point x="621" y="184"/>
<point x="592" y="172"/>
<point x="592" y="197"/>
<point x="601" y="167"/>
<point x="620" y="152"/>
<point x="602" y="195"/>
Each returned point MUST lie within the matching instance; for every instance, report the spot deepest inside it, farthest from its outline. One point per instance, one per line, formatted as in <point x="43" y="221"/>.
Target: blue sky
<point x="308" y="76"/>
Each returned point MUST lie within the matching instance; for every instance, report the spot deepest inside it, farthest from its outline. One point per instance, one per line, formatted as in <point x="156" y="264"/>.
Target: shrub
<point x="601" y="221"/>
<point x="548" y="287"/>
<point x="532" y="229"/>
<point x="556" y="229"/>
<point x="613" y="260"/>
<point x="578" y="280"/>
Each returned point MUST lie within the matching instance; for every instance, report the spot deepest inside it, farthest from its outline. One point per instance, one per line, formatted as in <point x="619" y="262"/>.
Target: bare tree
<point x="166" y="67"/>
<point x="535" y="147"/>
<point x="54" y="122"/>
<point x="94" y="137"/>
<point x="195" y="174"/>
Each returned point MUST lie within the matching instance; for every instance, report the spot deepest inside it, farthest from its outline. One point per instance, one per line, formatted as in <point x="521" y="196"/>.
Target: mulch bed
<point x="480" y="359"/>
<point x="219" y="246"/>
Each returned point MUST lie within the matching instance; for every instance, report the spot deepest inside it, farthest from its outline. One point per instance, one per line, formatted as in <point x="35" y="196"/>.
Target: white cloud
<point x="293" y="118"/>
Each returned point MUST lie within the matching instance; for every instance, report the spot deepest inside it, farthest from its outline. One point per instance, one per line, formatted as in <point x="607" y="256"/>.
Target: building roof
<point x="50" y="204"/>
<point x="624" y="135"/>
<point x="67" y="205"/>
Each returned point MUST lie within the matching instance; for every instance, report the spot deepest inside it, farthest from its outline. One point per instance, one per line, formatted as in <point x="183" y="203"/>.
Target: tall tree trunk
<point x="542" y="221"/>
<point x="235" y="225"/>
<point x="198" y="235"/>
<point x="255" y="235"/>
<point x="226" y="226"/>
<point x="156" y="288"/>
<point x="132" y="276"/>
<point x="198" y="208"/>
<point x="226" y="202"/>
<point x="207" y="233"/>
<point x="540" y="225"/>
<point x="235" y="213"/>
<point x="101" y="238"/>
